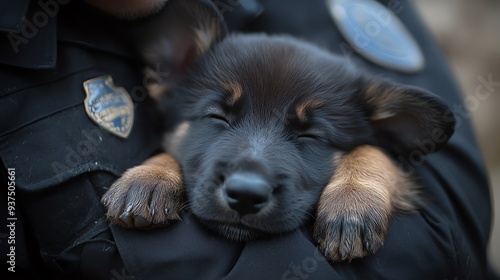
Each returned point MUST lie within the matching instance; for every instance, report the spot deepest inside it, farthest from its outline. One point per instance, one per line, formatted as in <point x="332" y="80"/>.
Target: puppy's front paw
<point x="351" y="222"/>
<point x="145" y="196"/>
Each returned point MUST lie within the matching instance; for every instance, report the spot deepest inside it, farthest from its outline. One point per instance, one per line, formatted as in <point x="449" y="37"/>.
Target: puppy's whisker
<point x="185" y="205"/>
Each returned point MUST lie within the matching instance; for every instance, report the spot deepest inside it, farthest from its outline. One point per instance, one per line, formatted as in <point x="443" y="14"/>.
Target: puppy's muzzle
<point x="247" y="192"/>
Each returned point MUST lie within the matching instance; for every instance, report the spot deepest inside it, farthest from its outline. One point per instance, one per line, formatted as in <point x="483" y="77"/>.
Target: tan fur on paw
<point x="147" y="195"/>
<point x="354" y="210"/>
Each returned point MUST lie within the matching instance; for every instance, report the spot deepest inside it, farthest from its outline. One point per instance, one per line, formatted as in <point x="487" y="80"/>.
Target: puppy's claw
<point x="126" y="217"/>
<point x="367" y="246"/>
<point x="126" y="214"/>
<point x="343" y="256"/>
<point x="105" y="200"/>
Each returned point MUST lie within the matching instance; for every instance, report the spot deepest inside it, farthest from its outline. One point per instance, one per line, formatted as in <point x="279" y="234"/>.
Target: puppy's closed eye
<point x="313" y="134"/>
<point x="310" y="135"/>
<point x="215" y="114"/>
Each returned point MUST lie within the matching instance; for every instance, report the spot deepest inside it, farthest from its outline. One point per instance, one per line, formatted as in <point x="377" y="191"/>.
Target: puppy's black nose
<point x="246" y="192"/>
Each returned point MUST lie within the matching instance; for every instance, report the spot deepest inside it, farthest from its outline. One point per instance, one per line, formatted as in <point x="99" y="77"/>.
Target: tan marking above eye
<point x="302" y="107"/>
<point x="235" y="90"/>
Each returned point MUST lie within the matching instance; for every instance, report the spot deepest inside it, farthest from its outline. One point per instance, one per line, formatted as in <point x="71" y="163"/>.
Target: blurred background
<point x="469" y="34"/>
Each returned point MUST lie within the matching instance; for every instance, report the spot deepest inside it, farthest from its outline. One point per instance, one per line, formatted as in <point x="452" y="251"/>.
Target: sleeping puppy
<point x="271" y="132"/>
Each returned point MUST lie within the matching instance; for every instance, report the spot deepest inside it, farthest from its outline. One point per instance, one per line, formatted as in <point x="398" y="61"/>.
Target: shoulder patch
<point x="109" y="106"/>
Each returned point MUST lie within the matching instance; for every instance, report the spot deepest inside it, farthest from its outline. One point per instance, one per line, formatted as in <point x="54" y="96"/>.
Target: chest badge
<point x="377" y="33"/>
<point x="109" y="106"/>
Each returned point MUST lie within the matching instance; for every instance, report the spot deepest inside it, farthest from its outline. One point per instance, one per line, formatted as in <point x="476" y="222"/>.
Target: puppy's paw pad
<point x="145" y="196"/>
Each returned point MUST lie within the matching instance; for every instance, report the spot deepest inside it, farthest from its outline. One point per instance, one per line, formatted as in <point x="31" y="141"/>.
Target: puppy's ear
<point x="406" y="118"/>
<point x="173" y="39"/>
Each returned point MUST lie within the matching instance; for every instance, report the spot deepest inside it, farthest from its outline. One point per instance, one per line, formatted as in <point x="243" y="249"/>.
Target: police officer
<point x="75" y="115"/>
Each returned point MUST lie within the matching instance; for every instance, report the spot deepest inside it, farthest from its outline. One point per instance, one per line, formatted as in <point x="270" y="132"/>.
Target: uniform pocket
<point x="46" y="134"/>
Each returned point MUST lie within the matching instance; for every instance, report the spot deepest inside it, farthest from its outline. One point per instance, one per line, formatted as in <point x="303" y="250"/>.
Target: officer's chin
<point x="128" y="9"/>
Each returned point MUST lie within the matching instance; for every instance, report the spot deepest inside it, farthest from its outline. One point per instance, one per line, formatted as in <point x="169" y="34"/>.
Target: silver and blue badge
<point x="375" y="32"/>
<point x="109" y="106"/>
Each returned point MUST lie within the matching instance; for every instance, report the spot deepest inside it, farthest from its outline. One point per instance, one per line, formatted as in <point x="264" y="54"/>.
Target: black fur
<point x="293" y="153"/>
<point x="267" y="119"/>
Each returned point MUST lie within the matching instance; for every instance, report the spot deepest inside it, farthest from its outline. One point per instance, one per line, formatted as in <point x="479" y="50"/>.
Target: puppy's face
<point x="266" y="118"/>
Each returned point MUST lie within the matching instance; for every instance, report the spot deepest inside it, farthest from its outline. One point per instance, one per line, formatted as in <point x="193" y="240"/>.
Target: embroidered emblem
<point x="109" y="106"/>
